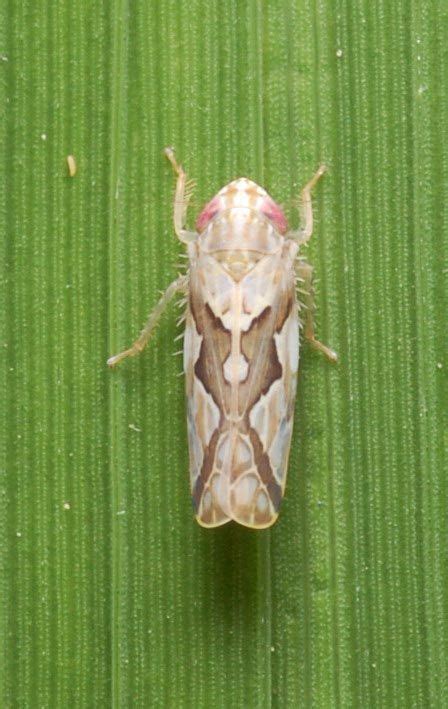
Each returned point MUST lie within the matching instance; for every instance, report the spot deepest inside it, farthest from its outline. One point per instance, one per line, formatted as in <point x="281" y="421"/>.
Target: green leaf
<point x="110" y="593"/>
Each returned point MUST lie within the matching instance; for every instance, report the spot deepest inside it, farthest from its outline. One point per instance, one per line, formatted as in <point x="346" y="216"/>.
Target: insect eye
<point x="207" y="214"/>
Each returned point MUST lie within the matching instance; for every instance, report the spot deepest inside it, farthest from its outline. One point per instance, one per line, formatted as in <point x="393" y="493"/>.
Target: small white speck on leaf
<point x="71" y="164"/>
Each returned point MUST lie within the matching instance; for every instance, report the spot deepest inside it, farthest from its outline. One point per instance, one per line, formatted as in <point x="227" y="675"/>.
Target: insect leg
<point x="303" y="234"/>
<point x="140" y="343"/>
<point x="181" y="199"/>
<point x="305" y="274"/>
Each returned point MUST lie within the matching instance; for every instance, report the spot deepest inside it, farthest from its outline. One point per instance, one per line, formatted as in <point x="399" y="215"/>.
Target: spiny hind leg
<point x="303" y="234"/>
<point x="182" y="197"/>
<point x="179" y="285"/>
<point x="305" y="276"/>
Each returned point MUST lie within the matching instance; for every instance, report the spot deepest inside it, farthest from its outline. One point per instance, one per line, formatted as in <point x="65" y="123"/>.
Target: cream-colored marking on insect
<point x="220" y="490"/>
<point x="241" y="346"/>
<point x="235" y="369"/>
<point x="71" y="164"/>
<point x="246" y="487"/>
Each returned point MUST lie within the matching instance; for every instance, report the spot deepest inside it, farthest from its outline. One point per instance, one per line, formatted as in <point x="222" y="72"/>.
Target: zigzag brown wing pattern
<point x="241" y="379"/>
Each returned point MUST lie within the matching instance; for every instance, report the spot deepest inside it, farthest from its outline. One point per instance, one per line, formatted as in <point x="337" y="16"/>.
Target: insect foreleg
<point x="305" y="274"/>
<point x="179" y="285"/>
<point x="181" y="199"/>
<point x="303" y="234"/>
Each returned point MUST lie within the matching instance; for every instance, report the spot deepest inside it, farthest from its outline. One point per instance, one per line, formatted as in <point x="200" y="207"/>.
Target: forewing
<point x="266" y="403"/>
<point x="207" y="345"/>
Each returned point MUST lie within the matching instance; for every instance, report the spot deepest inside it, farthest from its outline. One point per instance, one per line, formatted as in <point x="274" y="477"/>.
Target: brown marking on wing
<point x="196" y="494"/>
<point x="206" y="470"/>
<point x="206" y="499"/>
<point x="215" y="348"/>
<point x="285" y="307"/>
<point x="258" y="347"/>
<point x="264" y="469"/>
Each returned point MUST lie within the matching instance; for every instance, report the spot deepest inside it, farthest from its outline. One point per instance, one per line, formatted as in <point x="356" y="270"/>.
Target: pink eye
<point x="210" y="210"/>
<point x="275" y="214"/>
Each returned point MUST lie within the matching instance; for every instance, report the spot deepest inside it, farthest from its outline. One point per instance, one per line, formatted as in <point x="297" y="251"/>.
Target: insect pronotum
<point x="241" y="345"/>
